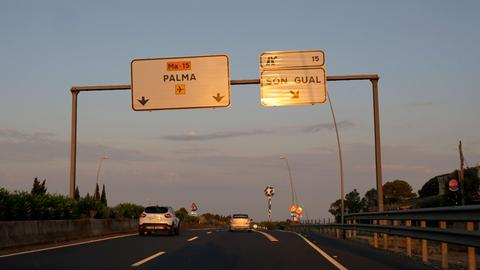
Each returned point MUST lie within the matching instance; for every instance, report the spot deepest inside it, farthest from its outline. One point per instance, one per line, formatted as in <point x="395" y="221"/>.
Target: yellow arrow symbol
<point x="295" y="94"/>
<point x="218" y="97"/>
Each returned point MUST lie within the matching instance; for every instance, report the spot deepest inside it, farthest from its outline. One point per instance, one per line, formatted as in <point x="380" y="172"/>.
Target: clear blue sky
<point x="426" y="53"/>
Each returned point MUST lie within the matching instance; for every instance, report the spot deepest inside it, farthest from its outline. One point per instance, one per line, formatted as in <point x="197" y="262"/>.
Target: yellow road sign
<point x="180" y="89"/>
<point x="293" y="78"/>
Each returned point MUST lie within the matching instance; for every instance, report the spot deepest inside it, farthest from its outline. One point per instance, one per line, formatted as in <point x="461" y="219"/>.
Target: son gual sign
<point x="292" y="78"/>
<point x="180" y="83"/>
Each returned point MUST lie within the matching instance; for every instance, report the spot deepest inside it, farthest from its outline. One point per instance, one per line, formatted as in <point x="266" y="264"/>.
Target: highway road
<point x="212" y="249"/>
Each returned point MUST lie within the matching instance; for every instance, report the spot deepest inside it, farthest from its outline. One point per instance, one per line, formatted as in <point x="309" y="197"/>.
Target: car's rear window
<point x="240" y="216"/>
<point x="156" y="210"/>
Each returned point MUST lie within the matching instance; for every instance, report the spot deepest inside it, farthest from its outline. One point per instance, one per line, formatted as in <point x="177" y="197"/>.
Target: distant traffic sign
<point x="180" y="83"/>
<point x="453" y="185"/>
<point x="269" y="191"/>
<point x="194" y="207"/>
<point x="293" y="78"/>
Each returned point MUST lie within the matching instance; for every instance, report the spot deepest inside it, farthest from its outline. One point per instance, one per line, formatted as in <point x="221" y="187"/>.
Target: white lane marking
<point x="269" y="237"/>
<point x="191" y="239"/>
<point x="323" y="253"/>
<point x="209" y="232"/>
<point x="67" y="245"/>
<point x="147" y="259"/>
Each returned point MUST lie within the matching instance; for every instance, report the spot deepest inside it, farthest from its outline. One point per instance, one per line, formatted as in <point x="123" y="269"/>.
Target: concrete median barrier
<point x="23" y="233"/>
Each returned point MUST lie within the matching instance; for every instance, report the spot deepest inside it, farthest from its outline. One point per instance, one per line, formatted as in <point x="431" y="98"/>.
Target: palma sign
<point x="180" y="83"/>
<point x="293" y="78"/>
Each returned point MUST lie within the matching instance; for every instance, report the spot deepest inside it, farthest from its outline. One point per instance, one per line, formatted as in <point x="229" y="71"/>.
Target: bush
<point x="128" y="210"/>
<point x="28" y="206"/>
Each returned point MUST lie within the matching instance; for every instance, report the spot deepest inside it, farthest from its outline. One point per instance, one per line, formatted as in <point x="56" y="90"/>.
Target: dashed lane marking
<point x="269" y="237"/>
<point x="209" y="232"/>
<point x="67" y="245"/>
<point x="148" y="259"/>
<point x="191" y="239"/>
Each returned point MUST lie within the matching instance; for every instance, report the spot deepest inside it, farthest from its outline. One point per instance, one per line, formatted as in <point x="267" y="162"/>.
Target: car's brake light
<point x="168" y="215"/>
<point x="142" y="215"/>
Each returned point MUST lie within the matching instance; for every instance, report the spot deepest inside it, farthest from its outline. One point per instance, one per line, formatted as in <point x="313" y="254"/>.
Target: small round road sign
<point x="453" y="184"/>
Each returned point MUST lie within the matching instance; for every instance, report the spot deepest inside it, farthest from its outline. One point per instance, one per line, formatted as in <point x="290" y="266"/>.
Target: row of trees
<point x="394" y="192"/>
<point x="429" y="191"/>
<point x="40" y="205"/>
<point x="399" y="193"/>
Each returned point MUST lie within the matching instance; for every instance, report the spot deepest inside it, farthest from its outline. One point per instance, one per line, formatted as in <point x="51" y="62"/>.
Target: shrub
<point x="127" y="210"/>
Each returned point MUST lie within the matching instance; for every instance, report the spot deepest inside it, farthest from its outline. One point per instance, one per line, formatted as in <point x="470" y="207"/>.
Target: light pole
<point x="342" y="192"/>
<point x="291" y="181"/>
<point x="102" y="158"/>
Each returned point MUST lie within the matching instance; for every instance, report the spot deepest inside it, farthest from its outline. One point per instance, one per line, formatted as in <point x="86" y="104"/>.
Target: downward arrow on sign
<point x="218" y="97"/>
<point x="143" y="101"/>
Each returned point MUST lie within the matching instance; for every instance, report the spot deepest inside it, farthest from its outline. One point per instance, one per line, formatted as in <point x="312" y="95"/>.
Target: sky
<point x="425" y="52"/>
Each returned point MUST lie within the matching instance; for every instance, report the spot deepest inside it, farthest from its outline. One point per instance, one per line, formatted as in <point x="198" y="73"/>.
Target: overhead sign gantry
<point x="287" y="78"/>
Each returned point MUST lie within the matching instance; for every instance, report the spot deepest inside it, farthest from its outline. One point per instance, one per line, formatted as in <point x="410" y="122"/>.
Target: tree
<point x="103" y="198"/>
<point x="182" y="214"/>
<point x="370" y="201"/>
<point x="352" y="202"/>
<point x="76" y="195"/>
<point x="430" y="188"/>
<point x="336" y="210"/>
<point x="96" y="195"/>
<point x="39" y="189"/>
<point x="471" y="183"/>
<point x="397" y="191"/>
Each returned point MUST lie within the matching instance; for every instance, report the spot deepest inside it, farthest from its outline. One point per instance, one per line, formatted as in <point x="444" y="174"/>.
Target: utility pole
<point x="460" y="173"/>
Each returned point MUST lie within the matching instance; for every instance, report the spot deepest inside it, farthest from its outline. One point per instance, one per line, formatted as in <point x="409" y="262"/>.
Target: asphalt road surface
<point x="212" y="249"/>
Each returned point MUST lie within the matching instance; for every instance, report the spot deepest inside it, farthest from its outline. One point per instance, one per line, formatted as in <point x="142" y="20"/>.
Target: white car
<point x="240" y="222"/>
<point x="158" y="219"/>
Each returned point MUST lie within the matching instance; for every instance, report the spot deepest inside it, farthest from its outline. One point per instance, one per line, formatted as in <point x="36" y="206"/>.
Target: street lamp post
<point x="340" y="160"/>
<point x="291" y="181"/>
<point x="102" y="158"/>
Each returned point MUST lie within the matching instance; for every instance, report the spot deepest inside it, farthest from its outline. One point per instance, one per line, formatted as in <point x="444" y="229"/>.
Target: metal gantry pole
<point x="378" y="152"/>
<point x="372" y="77"/>
<point x="73" y="141"/>
<point x="73" y="145"/>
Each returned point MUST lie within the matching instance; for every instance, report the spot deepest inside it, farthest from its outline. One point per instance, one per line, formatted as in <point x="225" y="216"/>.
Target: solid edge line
<point x="148" y="259"/>
<point x="66" y="245"/>
<point x="193" y="238"/>
<point x="323" y="253"/>
<point x="269" y="236"/>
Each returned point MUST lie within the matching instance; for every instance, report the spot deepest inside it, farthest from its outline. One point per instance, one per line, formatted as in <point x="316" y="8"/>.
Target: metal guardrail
<point x="412" y="224"/>
<point x="455" y="213"/>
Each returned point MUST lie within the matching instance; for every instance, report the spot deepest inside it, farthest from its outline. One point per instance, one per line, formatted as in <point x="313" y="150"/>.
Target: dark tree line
<point x="398" y="192"/>
<point x="40" y="205"/>
<point x="394" y="192"/>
